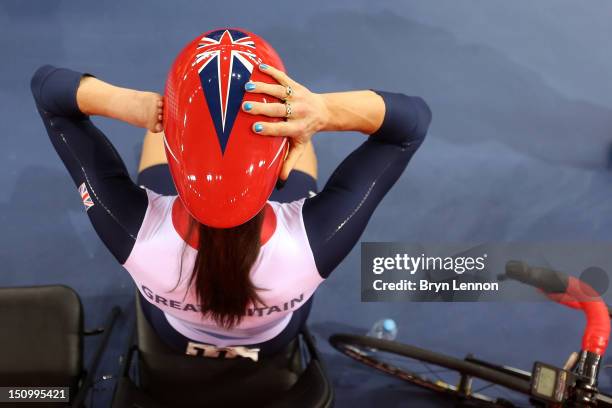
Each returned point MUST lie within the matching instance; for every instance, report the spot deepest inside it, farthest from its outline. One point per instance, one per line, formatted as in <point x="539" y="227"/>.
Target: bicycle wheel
<point x="461" y="380"/>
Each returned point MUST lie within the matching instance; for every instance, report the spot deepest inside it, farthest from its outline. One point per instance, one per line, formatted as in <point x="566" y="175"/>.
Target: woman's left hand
<point x="305" y="112"/>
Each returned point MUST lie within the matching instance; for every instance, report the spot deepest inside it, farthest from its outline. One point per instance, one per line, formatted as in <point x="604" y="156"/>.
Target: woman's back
<point x="284" y="272"/>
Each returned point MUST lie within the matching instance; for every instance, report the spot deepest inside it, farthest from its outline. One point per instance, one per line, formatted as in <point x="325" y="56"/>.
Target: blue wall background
<point x="518" y="150"/>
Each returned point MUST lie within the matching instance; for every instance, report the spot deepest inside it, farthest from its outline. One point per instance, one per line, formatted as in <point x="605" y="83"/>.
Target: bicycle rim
<point x="426" y="369"/>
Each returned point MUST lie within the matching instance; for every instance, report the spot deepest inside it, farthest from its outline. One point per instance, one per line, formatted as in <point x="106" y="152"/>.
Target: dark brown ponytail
<point x="221" y="271"/>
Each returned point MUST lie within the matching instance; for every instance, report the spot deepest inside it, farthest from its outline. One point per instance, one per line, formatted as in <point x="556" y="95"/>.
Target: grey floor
<point x="518" y="150"/>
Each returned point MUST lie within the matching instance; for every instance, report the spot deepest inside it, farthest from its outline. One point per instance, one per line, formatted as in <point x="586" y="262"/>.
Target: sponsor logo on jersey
<point x="87" y="201"/>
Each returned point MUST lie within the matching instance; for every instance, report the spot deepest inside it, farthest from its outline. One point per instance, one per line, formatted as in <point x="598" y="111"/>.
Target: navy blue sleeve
<point x="336" y="217"/>
<point x="115" y="205"/>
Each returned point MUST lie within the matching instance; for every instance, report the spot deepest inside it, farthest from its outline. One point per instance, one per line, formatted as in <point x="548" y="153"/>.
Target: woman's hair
<point x="222" y="267"/>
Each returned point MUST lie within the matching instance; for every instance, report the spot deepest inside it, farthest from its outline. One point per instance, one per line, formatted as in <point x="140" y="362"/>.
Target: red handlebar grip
<point x="564" y="299"/>
<point x="597" y="331"/>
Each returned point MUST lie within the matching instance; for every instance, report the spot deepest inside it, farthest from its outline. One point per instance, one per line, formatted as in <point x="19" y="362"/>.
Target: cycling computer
<point x="550" y="383"/>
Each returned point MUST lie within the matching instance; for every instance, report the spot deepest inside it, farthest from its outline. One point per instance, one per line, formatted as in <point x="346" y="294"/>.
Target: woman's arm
<point x="141" y="109"/>
<point x="336" y="217"/>
<point x="115" y="205"/>
<point x="359" y="111"/>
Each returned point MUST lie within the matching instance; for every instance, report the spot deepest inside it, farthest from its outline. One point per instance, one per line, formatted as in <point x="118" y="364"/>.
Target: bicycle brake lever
<point x="571" y="361"/>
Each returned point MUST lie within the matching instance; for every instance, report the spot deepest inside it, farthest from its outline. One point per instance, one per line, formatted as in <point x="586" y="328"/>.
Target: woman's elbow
<point x="407" y="120"/>
<point x="54" y="90"/>
<point x="422" y="120"/>
<point x="37" y="82"/>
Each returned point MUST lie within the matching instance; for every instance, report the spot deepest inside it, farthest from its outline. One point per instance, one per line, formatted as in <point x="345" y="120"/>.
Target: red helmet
<point x="224" y="173"/>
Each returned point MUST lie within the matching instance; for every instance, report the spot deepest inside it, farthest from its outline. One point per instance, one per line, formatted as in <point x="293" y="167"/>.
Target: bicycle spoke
<point x="414" y="366"/>
<point x="455" y="378"/>
<point x="431" y="371"/>
<point x="509" y="394"/>
<point x="485" y="387"/>
<point x="428" y="369"/>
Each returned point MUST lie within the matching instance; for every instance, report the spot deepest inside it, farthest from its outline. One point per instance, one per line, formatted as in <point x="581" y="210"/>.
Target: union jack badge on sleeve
<point x="87" y="201"/>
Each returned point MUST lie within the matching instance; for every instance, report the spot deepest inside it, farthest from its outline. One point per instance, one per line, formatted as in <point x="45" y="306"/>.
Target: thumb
<point x="295" y="152"/>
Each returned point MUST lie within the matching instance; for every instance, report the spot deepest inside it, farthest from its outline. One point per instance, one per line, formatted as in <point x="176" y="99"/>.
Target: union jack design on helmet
<point x="229" y="56"/>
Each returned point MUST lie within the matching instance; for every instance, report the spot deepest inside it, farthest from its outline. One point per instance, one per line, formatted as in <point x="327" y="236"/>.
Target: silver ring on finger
<point x="288" y="92"/>
<point x="288" y="110"/>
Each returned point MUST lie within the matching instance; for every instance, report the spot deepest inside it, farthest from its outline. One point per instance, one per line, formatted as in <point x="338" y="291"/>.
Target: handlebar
<point x="548" y="280"/>
<point x="571" y="292"/>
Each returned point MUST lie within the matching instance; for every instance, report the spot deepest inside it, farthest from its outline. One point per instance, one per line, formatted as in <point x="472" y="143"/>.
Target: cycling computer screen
<point x="550" y="383"/>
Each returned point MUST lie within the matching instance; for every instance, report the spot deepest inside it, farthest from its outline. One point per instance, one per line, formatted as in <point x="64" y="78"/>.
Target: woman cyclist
<point x="239" y="272"/>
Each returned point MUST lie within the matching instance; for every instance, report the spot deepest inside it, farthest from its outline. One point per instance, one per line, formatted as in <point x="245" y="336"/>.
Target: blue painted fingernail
<point x="258" y="127"/>
<point x="248" y="106"/>
<point x="249" y="86"/>
<point x="263" y="66"/>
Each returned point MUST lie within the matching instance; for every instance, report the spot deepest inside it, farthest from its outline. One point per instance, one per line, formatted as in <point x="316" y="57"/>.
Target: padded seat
<point x="178" y="379"/>
<point x="170" y="379"/>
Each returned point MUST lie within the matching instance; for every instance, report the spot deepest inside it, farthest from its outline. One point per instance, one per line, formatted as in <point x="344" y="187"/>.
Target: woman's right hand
<point x="308" y="113"/>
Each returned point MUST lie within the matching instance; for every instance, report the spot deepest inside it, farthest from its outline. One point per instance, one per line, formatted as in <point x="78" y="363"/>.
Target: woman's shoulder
<point x="156" y="199"/>
<point x="289" y="216"/>
<point x="159" y="209"/>
<point x="289" y="209"/>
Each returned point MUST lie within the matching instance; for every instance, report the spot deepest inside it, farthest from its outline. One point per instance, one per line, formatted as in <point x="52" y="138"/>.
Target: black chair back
<point x="41" y="337"/>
